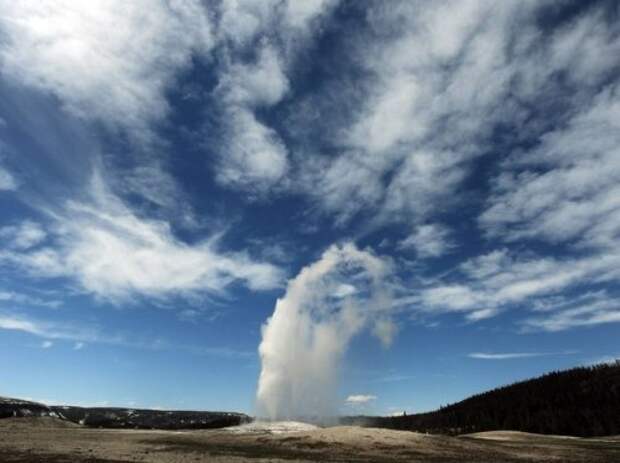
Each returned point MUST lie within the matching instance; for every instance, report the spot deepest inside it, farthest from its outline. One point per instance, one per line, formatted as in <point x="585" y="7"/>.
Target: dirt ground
<point x="29" y="440"/>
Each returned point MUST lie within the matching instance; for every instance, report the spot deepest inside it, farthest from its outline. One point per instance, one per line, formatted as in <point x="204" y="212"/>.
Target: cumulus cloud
<point x="105" y="60"/>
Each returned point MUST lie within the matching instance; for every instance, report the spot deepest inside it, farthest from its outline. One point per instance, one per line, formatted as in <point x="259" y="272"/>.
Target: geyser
<point x="304" y="341"/>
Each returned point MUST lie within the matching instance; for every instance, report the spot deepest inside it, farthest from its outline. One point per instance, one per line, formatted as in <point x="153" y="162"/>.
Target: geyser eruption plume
<point x="304" y="341"/>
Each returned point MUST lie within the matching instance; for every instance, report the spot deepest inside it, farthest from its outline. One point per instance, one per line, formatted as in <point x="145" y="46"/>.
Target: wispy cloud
<point x="399" y="123"/>
<point x="47" y="330"/>
<point x="46" y="344"/>
<point x="66" y="49"/>
<point x="113" y="253"/>
<point x="394" y="378"/>
<point x="515" y="355"/>
<point x="360" y="399"/>
<point x="24" y="235"/>
<point x="7" y="181"/>
<point x="594" y="309"/>
<point x="492" y="283"/>
<point x="430" y="240"/>
<point x="12" y="297"/>
<point x="576" y="198"/>
<point x="81" y="335"/>
<point x="254" y="157"/>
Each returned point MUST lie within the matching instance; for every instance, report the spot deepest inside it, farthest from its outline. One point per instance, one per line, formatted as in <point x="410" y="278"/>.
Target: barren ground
<point x="28" y="440"/>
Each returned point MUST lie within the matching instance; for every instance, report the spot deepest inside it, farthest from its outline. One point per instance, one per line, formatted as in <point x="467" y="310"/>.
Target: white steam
<point x="304" y="341"/>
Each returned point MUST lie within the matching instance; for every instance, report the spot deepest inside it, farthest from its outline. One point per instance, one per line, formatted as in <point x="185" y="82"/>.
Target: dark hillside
<point x="149" y="419"/>
<point x="122" y="417"/>
<point x="578" y="402"/>
<point x="21" y="408"/>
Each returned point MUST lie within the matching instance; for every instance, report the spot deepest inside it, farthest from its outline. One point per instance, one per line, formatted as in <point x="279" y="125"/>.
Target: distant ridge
<point x="10" y="407"/>
<point x="583" y="402"/>
<point x="112" y="417"/>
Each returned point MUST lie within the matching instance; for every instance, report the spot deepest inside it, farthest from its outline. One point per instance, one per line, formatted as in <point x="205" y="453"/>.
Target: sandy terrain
<point x="28" y="440"/>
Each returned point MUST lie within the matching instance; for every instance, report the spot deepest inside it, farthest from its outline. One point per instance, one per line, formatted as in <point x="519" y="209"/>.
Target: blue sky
<point x="167" y="168"/>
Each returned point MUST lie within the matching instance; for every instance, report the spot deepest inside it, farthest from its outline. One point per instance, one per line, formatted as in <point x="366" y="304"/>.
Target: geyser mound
<point x="272" y="427"/>
<point x="303" y="342"/>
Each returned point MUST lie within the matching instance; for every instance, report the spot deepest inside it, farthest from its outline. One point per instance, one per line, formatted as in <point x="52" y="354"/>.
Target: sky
<point x="167" y="168"/>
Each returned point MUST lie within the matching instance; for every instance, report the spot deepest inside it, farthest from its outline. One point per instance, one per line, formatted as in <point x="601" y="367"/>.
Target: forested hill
<point x="578" y="402"/>
<point x="114" y="417"/>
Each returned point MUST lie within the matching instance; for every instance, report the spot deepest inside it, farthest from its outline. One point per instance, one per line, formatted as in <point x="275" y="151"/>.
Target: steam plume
<point x="303" y="342"/>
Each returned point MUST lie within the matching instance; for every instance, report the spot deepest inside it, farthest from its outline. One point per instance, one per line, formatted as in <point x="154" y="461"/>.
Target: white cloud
<point x="488" y="264"/>
<point x="439" y="79"/>
<point x="452" y="297"/>
<point x="394" y="378"/>
<point x="588" y="310"/>
<point x="260" y="83"/>
<point x="430" y="240"/>
<point x="481" y="314"/>
<point x="7" y="181"/>
<point x="23" y="236"/>
<point x="48" y="330"/>
<point x="300" y="15"/>
<point x="80" y="335"/>
<point x="46" y="344"/>
<point x="512" y="355"/>
<point x="105" y="60"/>
<point x="13" y="297"/>
<point x="342" y="185"/>
<point x="499" y="280"/>
<point x="435" y="75"/>
<point x="254" y="157"/>
<point x="360" y="399"/>
<point x="113" y="253"/>
<point x="388" y="122"/>
<point x="569" y="190"/>
<point x="243" y="21"/>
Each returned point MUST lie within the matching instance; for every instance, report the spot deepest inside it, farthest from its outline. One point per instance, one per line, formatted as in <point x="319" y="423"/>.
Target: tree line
<point x="583" y="401"/>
